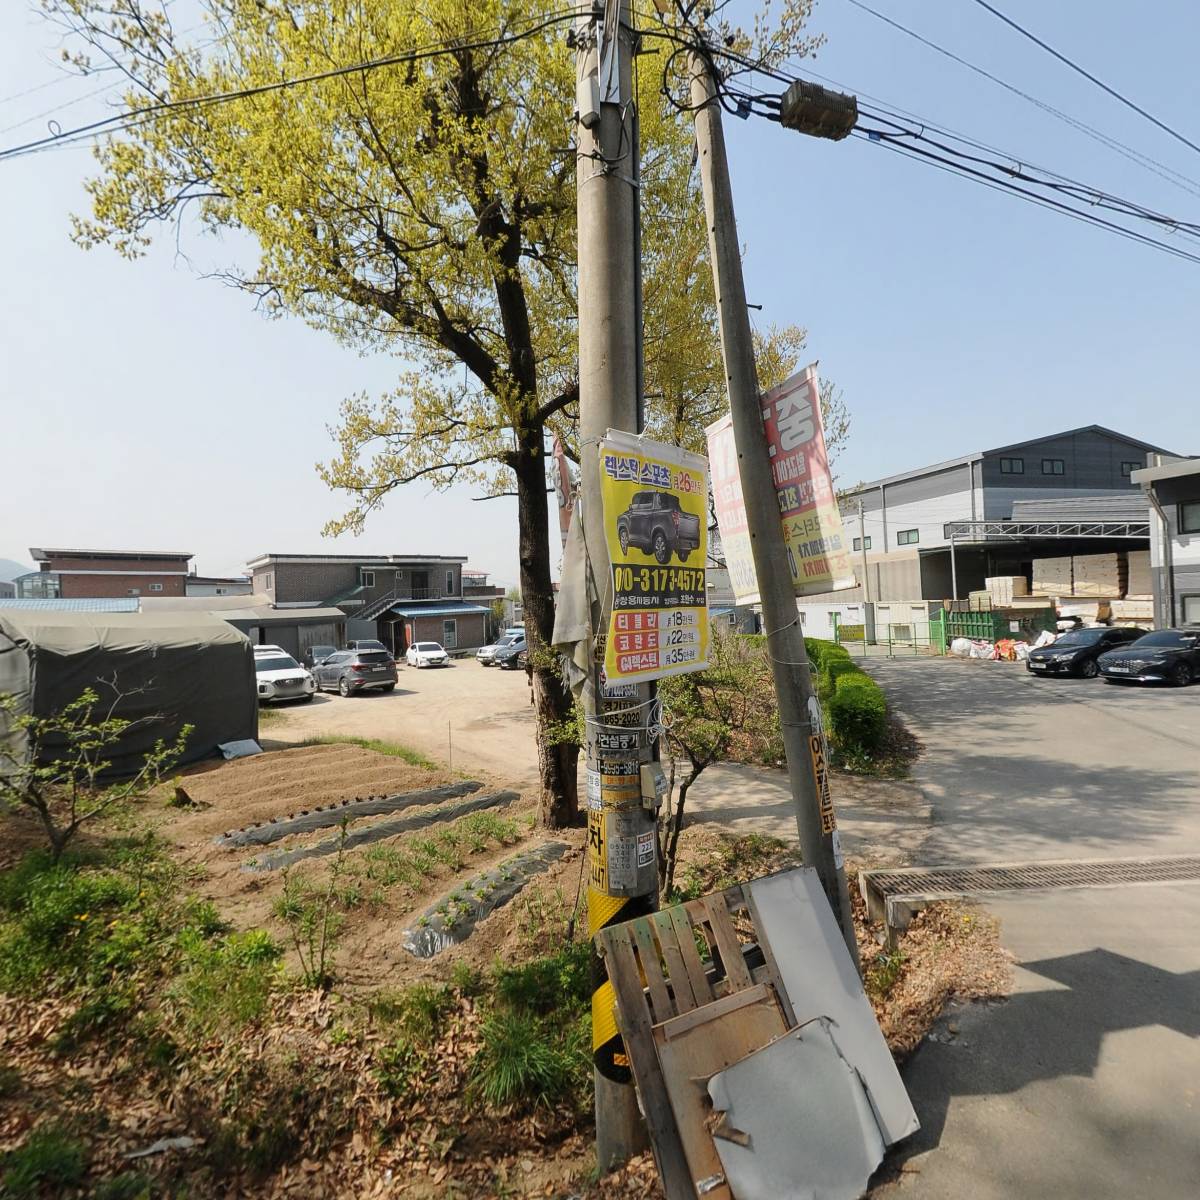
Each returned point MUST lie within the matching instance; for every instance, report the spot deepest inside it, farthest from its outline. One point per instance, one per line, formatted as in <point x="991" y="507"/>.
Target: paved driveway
<point x="1018" y="767"/>
<point x="1086" y="1083"/>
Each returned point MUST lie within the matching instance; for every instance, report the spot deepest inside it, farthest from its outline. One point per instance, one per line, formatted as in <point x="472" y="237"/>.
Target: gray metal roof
<point x="1132" y="506"/>
<point x="115" y="604"/>
<point x="975" y="456"/>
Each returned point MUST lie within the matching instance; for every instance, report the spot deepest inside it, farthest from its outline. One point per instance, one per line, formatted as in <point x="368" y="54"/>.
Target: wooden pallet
<point x="697" y="990"/>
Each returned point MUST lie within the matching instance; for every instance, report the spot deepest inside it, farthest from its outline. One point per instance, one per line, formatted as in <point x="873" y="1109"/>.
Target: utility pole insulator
<point x="818" y="111"/>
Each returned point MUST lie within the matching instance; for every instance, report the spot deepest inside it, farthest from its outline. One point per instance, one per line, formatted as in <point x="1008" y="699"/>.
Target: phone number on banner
<point x="651" y="641"/>
<point x="659" y="587"/>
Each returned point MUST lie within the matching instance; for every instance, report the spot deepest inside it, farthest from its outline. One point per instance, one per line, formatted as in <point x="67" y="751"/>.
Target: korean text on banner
<point x="655" y="501"/>
<point x="812" y="523"/>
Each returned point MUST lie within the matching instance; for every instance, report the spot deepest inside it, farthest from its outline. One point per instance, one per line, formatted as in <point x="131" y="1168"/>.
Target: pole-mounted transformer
<point x="818" y="111"/>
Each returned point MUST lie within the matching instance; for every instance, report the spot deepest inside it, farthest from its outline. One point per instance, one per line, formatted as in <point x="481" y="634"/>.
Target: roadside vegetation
<point x="391" y="749"/>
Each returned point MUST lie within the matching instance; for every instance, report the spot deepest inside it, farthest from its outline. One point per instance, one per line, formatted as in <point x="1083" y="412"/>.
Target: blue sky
<point x="144" y="407"/>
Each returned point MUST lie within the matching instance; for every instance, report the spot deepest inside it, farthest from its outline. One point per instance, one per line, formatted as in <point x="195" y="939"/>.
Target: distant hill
<point x="9" y="569"/>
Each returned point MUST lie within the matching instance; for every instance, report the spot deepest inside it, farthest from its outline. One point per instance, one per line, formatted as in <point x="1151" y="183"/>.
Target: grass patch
<point x="227" y="981"/>
<point x="129" y="1185"/>
<point x="543" y="985"/>
<point x="418" y="1011"/>
<point x="391" y="749"/>
<point x="50" y="1158"/>
<point x="732" y="861"/>
<point x="526" y="1059"/>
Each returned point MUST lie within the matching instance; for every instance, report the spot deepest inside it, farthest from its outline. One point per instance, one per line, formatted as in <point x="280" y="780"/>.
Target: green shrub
<point x="856" y="713"/>
<point x="558" y="982"/>
<point x="226" y="981"/>
<point x="49" y="1161"/>
<point x="129" y="1185"/>
<point x="417" y="1011"/>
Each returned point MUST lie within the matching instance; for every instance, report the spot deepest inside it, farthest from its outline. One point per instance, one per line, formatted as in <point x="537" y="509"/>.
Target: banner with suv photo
<point x="818" y="557"/>
<point x="655" y="499"/>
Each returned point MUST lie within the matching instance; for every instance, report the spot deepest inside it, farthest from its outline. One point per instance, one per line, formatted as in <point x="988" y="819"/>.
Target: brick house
<point x="397" y="598"/>
<point x="85" y="574"/>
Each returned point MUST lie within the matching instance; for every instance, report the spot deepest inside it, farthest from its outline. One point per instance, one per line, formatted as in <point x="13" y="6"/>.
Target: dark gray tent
<point x="179" y="668"/>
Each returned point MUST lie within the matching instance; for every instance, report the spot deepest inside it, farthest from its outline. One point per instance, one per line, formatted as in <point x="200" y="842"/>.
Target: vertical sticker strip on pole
<point x="655" y="500"/>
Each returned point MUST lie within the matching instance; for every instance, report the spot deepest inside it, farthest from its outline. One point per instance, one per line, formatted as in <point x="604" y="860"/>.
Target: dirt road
<point x="479" y="719"/>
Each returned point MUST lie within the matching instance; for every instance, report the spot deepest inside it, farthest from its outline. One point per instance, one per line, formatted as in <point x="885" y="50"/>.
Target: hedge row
<point x="855" y="706"/>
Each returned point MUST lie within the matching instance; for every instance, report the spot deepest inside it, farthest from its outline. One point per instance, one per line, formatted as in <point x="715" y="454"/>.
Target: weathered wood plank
<point x="633" y="1018"/>
<point x="681" y="985"/>
<point x="648" y="955"/>
<point x="727" y="941"/>
<point x="691" y="956"/>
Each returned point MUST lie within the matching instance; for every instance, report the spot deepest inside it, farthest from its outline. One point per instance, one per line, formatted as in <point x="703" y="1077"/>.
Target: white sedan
<point x="426" y="654"/>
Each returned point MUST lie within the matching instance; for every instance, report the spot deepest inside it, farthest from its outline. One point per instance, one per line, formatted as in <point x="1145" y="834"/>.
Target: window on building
<point x="1053" y="466"/>
<point x="1128" y="468"/>
<point x="449" y="634"/>
<point x="1189" y="516"/>
<point x="449" y="583"/>
<point x="908" y="537"/>
<point x="156" y="587"/>
<point x="1191" y="610"/>
<point x="220" y="591"/>
<point x="1012" y="466"/>
<point x="134" y="592"/>
<point x="368" y="579"/>
<point x="859" y="542"/>
<point x="268" y="581"/>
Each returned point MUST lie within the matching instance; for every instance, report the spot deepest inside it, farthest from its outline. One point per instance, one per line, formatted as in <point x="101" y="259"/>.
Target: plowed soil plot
<point x="388" y="864"/>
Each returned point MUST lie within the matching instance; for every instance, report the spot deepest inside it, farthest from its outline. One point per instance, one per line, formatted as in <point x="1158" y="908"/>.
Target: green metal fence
<point x="890" y="641"/>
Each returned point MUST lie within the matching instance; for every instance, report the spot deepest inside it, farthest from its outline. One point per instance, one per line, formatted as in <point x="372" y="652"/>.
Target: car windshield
<point x="426" y="647"/>
<point x="373" y="656"/>
<point x="1080" y="637"/>
<point x="1166" y="637"/>
<point x="506" y="639"/>
<point x="371" y="646"/>
<point x="277" y="662"/>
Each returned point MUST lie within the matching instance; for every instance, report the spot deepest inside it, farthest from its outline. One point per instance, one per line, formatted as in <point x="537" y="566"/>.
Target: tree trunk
<point x="552" y="701"/>
<point x="677" y="823"/>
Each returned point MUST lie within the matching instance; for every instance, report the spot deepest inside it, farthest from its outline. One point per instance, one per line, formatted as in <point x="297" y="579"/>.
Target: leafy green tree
<point x="726" y="711"/>
<point x="426" y="207"/>
<point x="58" y="766"/>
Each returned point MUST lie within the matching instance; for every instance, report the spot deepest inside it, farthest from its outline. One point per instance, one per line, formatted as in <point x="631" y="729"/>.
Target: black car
<point x="658" y="524"/>
<point x="1075" y="653"/>
<point x="1169" y="655"/>
<point x="351" y="671"/>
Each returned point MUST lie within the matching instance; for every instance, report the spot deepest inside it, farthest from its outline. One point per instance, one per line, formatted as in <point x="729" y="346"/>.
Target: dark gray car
<point x="350" y="671"/>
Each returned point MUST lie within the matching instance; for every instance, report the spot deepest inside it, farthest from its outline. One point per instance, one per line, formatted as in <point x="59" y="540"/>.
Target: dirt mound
<point x="249" y="790"/>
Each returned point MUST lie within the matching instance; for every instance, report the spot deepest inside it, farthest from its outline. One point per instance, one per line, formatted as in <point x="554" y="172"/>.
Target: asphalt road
<point x="1020" y="767"/>
<point x="1086" y="1082"/>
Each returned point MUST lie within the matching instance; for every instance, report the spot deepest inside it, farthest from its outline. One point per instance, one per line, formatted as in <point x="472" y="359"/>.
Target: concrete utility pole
<point x="609" y="398"/>
<point x="781" y="621"/>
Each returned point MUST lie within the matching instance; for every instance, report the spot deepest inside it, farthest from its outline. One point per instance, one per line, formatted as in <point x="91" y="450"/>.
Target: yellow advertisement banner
<point x="655" y="500"/>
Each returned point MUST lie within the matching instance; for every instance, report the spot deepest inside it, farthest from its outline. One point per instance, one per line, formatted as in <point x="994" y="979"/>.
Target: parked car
<point x="513" y="657"/>
<point x="427" y="654"/>
<point x="486" y="655"/>
<point x="655" y="522"/>
<point x="1076" y="652"/>
<point x="1170" y="655"/>
<point x="351" y="671"/>
<point x="268" y="650"/>
<point x="366" y="644"/>
<point x="315" y="655"/>
<point x="281" y="677"/>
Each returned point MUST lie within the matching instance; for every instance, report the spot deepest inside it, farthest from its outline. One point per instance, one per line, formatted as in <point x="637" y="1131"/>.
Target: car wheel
<point x="1089" y="668"/>
<point x="1181" y="674"/>
<point x="343" y="687"/>
<point x="662" y="552"/>
<point x="623" y="538"/>
<point x="388" y="687"/>
<point x="307" y="700"/>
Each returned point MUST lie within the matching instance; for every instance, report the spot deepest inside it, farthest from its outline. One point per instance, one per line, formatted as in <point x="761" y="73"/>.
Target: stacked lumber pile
<point x="1132" y="611"/>
<point x="1140" y="583"/>
<point x="1102" y="576"/>
<point x="1003" y="589"/>
<point x="1053" y="577"/>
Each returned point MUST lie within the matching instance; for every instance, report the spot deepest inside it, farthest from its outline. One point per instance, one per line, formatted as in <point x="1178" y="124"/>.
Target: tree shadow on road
<point x="998" y="1048"/>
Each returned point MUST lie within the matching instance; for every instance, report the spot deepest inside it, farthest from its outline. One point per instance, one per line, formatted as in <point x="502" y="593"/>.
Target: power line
<point x="129" y="120"/>
<point x="1143" y="160"/>
<point x="1087" y="75"/>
